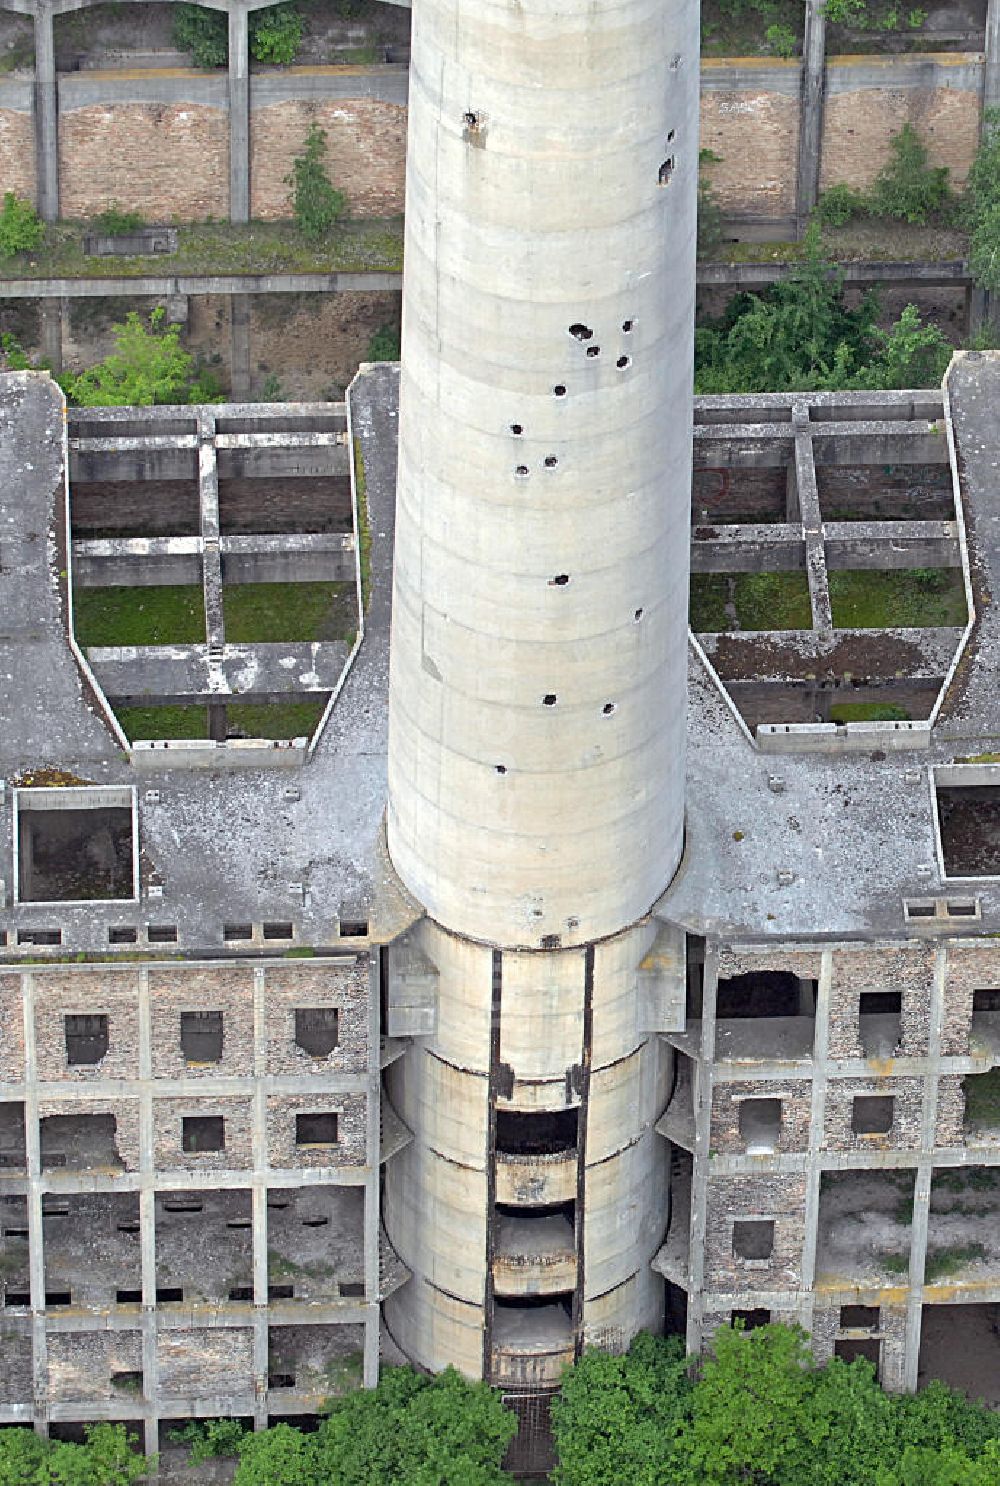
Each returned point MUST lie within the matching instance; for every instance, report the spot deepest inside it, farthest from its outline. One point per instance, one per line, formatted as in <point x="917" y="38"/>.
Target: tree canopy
<point x="800" y="336"/>
<point x="760" y="1413"/>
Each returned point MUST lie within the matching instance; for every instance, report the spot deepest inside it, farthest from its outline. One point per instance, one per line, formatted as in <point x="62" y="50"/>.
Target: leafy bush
<point x="316" y="203"/>
<point x="863" y="16"/>
<point x="981" y="208"/>
<point x="384" y="344"/>
<point x="147" y="366"/>
<point x="782" y="40"/>
<point x="800" y="336"/>
<point x="20" y="227"/>
<point x="106" y="1459"/>
<point x="203" y="33"/>
<point x="208" y="1438"/>
<point x="114" y="220"/>
<point x="274" y="34"/>
<point x="909" y="189"/>
<point x="838" y="204"/>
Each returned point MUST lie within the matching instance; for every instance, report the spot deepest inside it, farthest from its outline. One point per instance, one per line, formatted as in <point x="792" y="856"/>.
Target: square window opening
<point x="86" y="1039"/>
<point x="969" y="820"/>
<point x="278" y="931"/>
<point x="753" y="1238"/>
<point x="75" y="844"/>
<point x="237" y="931"/>
<point x="316" y="1129"/>
<point x="203" y="1133"/>
<point x="353" y="928"/>
<point x="161" y="934"/>
<point x="122" y="934"/>
<point x="760" y="1125"/>
<point x="872" y="1114"/>
<point x="317" y="1030"/>
<point x="987" y="1000"/>
<point x="750" y="1320"/>
<point x="201" y="1036"/>
<point x="850" y="1351"/>
<point x="859" y="1317"/>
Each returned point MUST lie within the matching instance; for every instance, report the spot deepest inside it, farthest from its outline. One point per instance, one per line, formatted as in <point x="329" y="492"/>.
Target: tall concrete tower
<point x="537" y="688"/>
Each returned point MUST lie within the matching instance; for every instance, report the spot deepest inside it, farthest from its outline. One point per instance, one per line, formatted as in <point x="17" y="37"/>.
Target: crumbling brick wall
<point x="202" y="1362"/>
<point x="126" y="1116"/>
<point x="164" y="160"/>
<point x="11" y="1030"/>
<point x="940" y="97"/>
<point x="16" y="1376"/>
<point x="351" y="1130"/>
<point x="228" y="989"/>
<point x="969" y="968"/>
<point x="345" y="987"/>
<point x="781" y="1198"/>
<point x="727" y="1098"/>
<point x="169" y="1153"/>
<point x="17" y="152"/>
<point x="365" y="153"/>
<point x="112" y="992"/>
<point x="950" y="1111"/>
<point x="910" y="971"/>
<point x="81" y="1365"/>
<point x="907" y="1096"/>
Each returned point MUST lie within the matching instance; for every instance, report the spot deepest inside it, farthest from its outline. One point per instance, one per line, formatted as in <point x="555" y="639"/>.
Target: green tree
<point x="981" y="208"/>
<point x="416" y="1431"/>
<point x="618" y="1418"/>
<point x="20" y="227"/>
<point x="105" y="1459"/>
<point x="274" y="33"/>
<point x="909" y="189"/>
<point x="148" y="365"/>
<point x="316" y="203"/>
<point x="279" y="1456"/>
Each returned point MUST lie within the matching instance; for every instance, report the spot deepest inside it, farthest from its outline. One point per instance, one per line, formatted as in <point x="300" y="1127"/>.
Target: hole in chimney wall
<point x="517" y="429"/>
<point x="593" y="350"/>
<point x="665" y="172"/>
<point x="627" y="326"/>
<point x="581" y="332"/>
<point x="559" y="390"/>
<point x="549" y="699"/>
<point x="500" y="768"/>
<point x="637" y="615"/>
<point x="521" y="472"/>
<point x="550" y="461"/>
<point x="559" y="581"/>
<point x="623" y="362"/>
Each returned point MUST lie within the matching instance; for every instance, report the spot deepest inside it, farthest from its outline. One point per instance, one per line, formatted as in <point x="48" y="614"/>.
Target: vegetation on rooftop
<point x="265" y="613"/>
<point x="749" y="601"/>
<point x="982" y="1100"/>
<point x="167" y="615"/>
<point x="901" y="598"/>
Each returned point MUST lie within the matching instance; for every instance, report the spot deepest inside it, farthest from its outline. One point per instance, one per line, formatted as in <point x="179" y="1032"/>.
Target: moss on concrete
<point x="919" y="597"/>
<point x="759" y="601"/>
<point x="868" y="712"/>
<point x="275" y="719"/>
<point x="185" y="721"/>
<point x="139" y="616"/>
<point x="268" y="613"/>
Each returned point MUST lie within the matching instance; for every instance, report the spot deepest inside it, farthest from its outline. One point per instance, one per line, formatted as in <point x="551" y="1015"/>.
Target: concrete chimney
<point x="537" y="674"/>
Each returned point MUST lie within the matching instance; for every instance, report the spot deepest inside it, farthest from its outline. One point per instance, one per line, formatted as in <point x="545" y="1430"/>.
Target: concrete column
<point x="36" y="1245"/>
<point x="239" y="347"/>
<point x="991" y="71"/>
<point x="817" y="1118"/>
<point x="147" y="1213"/>
<point x="811" y="112"/>
<point x="812" y="522"/>
<point x="373" y="1179"/>
<point x="258" y="1210"/>
<point x="51" y="318"/>
<point x="702" y="1095"/>
<point x="239" y="115"/>
<point x="46" y="114"/>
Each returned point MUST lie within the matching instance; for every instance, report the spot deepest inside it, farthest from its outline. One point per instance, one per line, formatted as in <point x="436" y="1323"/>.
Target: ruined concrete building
<point x="574" y="974"/>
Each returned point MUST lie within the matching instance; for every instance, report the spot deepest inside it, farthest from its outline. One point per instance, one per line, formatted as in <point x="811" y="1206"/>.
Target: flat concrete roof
<point x="798" y="845"/>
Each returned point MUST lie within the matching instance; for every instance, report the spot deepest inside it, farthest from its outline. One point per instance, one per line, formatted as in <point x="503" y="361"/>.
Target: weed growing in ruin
<point x="316" y="202"/>
<point x="20" y="226"/>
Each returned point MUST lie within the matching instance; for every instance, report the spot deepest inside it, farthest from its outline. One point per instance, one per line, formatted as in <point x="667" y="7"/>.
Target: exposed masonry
<point x="143" y="1281"/>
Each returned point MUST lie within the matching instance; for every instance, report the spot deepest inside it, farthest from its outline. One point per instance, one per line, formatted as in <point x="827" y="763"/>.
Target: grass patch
<point x="916" y="597"/>
<point x="275" y="719"/>
<point x="268" y="613"/>
<point x="762" y="601"/>
<point x="982" y="1100"/>
<point x="895" y="1263"/>
<point x="223" y="247"/>
<point x="941" y="1262"/>
<point x="185" y="721"/>
<point x="139" y="616"/>
<point x="868" y="712"/>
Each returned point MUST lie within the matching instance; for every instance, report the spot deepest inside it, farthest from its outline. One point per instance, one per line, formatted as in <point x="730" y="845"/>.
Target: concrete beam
<point x="167" y="286"/>
<point x="163" y="674"/>
<point x="991" y="71"/>
<point x="812" y="524"/>
<point x="239" y="347"/>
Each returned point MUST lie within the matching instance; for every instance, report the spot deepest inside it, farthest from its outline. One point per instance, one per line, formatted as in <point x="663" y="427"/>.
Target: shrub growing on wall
<point x="316" y="202"/>
<point x="275" y="34"/>
<point x="20" y="228"/>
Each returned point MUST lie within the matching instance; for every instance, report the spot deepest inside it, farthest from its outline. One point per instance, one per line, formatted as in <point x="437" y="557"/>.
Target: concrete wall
<point x="159" y="142"/>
